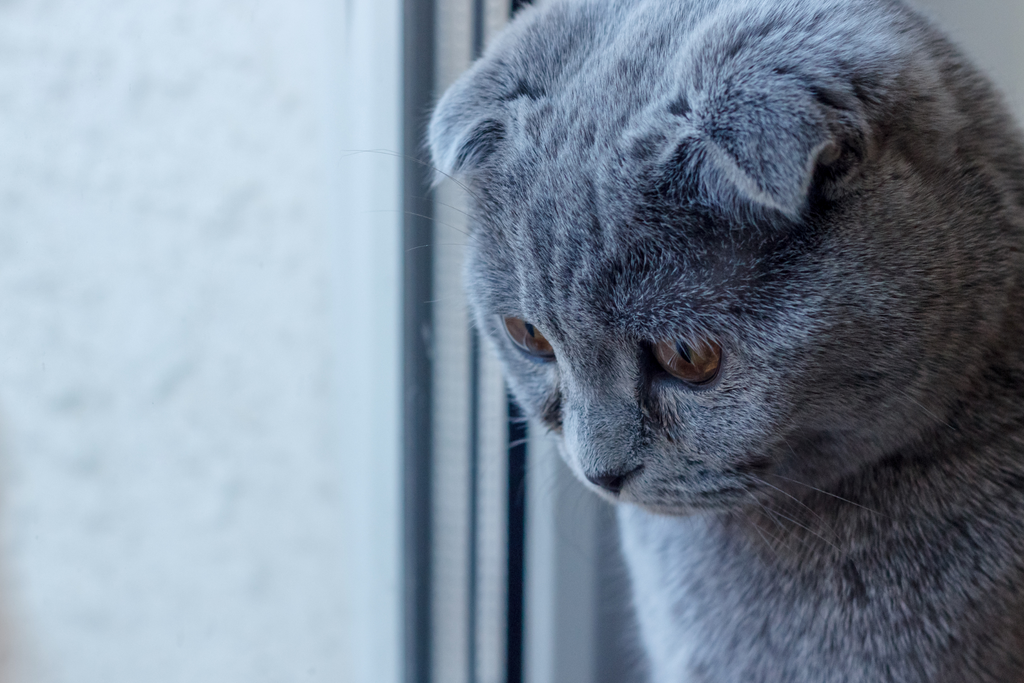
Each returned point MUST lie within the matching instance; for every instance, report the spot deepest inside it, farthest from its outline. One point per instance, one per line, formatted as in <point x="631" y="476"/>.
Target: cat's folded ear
<point x="464" y="129"/>
<point x="772" y="143"/>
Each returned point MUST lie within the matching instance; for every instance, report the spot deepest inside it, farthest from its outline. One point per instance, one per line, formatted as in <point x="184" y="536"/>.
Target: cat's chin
<point x="711" y="502"/>
<point x="681" y="509"/>
<point x="657" y="497"/>
<point x="669" y="510"/>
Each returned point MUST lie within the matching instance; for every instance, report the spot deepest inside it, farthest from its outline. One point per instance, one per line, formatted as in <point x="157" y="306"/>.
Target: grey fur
<point x="830" y="190"/>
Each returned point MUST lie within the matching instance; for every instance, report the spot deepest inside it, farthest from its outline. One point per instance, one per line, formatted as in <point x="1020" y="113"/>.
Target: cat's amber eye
<point x="696" y="364"/>
<point x="528" y="338"/>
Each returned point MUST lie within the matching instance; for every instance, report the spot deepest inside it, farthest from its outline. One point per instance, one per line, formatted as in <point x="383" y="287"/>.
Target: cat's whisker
<point x="407" y="157"/>
<point x="450" y="206"/>
<point x="434" y="245"/>
<point x="805" y="528"/>
<point x="422" y="215"/>
<point x="775" y="516"/>
<point x="813" y="488"/>
<point x="925" y="409"/>
<point x="768" y="512"/>
<point x="798" y="502"/>
<point x="768" y="543"/>
<point x="826" y="493"/>
<point x="761" y="532"/>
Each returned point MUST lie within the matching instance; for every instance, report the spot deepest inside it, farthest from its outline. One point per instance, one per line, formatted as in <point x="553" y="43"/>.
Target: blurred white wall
<point x="992" y="33"/>
<point x="198" y="345"/>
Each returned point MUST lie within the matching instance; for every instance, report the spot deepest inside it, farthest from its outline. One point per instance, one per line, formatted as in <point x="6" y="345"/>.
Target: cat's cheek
<point x="569" y="446"/>
<point x="534" y="385"/>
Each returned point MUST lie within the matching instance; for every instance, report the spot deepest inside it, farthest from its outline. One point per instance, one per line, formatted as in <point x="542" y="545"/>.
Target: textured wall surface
<point x="167" y="436"/>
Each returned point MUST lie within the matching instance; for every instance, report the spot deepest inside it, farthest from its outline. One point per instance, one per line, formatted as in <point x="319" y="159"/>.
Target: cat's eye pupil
<point x="528" y="338"/>
<point x="683" y="350"/>
<point x="695" y="364"/>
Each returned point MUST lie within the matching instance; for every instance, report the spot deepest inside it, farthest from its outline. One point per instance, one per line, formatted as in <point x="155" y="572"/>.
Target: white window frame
<point x="368" y="320"/>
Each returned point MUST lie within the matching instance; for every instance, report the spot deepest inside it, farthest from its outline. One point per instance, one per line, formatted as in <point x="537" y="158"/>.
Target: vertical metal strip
<point x="517" y="440"/>
<point x="417" y="95"/>
<point x="454" y="402"/>
<point x="516" y="541"/>
<point x="479" y="15"/>
<point x="474" y="503"/>
<point x="474" y="433"/>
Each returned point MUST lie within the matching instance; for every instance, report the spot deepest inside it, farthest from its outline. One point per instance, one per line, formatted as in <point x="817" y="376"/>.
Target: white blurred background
<point x="199" y="329"/>
<point x="177" y="361"/>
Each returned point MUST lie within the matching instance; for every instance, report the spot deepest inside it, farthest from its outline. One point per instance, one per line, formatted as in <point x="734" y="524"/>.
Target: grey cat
<point x="759" y="265"/>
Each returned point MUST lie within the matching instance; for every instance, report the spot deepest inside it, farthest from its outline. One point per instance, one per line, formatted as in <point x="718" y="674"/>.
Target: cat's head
<point x="715" y="242"/>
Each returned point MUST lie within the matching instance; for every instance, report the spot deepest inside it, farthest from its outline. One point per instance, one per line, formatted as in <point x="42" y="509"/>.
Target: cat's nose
<point x="612" y="482"/>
